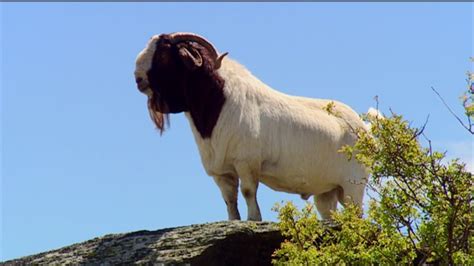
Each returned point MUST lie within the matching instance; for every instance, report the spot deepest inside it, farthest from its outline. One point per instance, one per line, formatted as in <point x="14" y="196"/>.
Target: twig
<point x="419" y="131"/>
<point x="469" y="128"/>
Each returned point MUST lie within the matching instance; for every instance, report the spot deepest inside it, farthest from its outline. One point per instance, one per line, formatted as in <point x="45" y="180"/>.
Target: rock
<point x="220" y="243"/>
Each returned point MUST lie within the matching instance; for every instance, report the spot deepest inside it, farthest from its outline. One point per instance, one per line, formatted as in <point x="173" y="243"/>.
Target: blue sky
<point x="81" y="158"/>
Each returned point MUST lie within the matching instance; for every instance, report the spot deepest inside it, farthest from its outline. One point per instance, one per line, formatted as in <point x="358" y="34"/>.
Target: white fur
<point x="288" y="143"/>
<point x="144" y="61"/>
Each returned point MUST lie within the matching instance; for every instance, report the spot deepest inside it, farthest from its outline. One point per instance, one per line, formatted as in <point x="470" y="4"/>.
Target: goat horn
<point x="219" y="60"/>
<point x="186" y="36"/>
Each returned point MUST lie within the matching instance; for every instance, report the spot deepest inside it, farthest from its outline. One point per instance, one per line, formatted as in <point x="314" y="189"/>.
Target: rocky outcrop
<point x="220" y="243"/>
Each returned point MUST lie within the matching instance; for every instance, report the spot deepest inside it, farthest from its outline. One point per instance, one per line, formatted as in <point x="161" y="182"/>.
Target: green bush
<point x="421" y="211"/>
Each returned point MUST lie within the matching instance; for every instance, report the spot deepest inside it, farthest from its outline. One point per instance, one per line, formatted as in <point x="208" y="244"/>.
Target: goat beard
<point x="155" y="108"/>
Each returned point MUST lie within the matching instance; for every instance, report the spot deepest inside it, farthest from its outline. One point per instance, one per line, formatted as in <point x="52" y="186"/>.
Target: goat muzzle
<point x="142" y="84"/>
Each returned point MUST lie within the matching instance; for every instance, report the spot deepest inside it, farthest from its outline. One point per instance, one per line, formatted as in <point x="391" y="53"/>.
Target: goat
<point x="248" y="132"/>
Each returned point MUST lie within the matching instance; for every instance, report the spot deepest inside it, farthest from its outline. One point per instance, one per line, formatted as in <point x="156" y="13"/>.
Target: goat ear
<point x="190" y="56"/>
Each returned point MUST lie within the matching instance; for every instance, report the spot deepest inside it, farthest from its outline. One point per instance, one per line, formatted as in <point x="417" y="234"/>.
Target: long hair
<point x="160" y="119"/>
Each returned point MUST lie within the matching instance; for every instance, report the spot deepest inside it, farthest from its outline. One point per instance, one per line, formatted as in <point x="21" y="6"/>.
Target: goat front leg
<point x="229" y="188"/>
<point x="249" y="186"/>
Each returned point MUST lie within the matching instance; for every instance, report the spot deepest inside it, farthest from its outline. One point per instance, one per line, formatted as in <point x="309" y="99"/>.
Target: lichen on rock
<point x="219" y="243"/>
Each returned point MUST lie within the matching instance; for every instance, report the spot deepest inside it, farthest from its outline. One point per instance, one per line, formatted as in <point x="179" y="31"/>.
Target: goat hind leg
<point x="326" y="203"/>
<point x="352" y="193"/>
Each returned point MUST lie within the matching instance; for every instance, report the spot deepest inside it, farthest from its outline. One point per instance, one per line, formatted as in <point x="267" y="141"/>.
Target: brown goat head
<point x="178" y="74"/>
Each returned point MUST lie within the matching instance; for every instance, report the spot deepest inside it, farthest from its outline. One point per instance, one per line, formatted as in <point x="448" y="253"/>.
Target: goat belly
<point x="295" y="184"/>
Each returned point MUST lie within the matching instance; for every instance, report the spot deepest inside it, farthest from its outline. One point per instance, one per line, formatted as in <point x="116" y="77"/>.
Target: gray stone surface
<point x="219" y="243"/>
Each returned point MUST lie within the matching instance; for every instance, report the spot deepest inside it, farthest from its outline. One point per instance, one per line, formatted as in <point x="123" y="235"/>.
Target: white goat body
<point x="288" y="143"/>
<point x="247" y="132"/>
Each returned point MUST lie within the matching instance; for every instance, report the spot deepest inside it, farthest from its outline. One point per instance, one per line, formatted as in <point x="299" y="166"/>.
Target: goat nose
<point x="142" y="84"/>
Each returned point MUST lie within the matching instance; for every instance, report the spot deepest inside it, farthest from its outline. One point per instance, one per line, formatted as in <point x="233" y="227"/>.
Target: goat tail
<point x="373" y="114"/>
